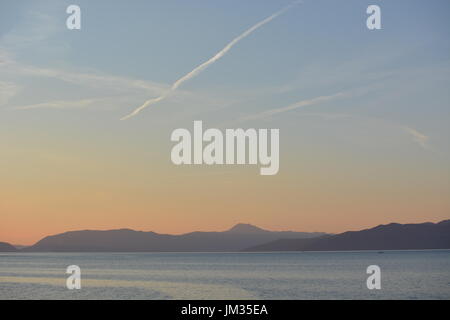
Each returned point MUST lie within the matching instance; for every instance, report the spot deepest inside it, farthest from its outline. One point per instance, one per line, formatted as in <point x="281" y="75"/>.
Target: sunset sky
<point x="363" y="115"/>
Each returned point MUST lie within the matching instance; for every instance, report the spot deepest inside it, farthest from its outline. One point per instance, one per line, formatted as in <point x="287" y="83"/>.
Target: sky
<point x="363" y="115"/>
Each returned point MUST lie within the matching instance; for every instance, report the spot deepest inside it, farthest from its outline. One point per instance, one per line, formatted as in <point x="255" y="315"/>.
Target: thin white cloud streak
<point x="417" y="136"/>
<point x="64" y="104"/>
<point x="36" y="26"/>
<point x="110" y="89"/>
<point x="91" y="89"/>
<point x="296" y="105"/>
<point x="91" y="79"/>
<point x="207" y="63"/>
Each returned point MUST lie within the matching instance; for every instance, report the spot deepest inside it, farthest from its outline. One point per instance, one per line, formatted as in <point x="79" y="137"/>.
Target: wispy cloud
<point x="207" y="63"/>
<point x="9" y="65"/>
<point x="63" y="104"/>
<point x="84" y="90"/>
<point x="97" y="87"/>
<point x="92" y="80"/>
<point x="417" y="136"/>
<point x="293" y="106"/>
<point x="36" y="28"/>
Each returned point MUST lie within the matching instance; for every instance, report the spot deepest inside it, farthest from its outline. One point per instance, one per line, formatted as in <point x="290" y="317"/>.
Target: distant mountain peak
<point x="6" y="247"/>
<point x="246" y="228"/>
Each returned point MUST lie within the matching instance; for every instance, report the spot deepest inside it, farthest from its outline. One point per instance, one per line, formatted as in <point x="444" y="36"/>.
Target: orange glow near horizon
<point x="99" y="182"/>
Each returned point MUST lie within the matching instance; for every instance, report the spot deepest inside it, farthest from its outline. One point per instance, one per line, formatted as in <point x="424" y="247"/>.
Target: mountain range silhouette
<point x="237" y="238"/>
<point x="246" y="237"/>
<point x="392" y="236"/>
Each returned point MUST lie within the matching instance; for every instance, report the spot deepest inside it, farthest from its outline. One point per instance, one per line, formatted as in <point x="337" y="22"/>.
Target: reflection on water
<point x="301" y="275"/>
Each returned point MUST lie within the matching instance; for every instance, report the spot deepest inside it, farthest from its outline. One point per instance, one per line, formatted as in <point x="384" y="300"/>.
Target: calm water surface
<point x="300" y="275"/>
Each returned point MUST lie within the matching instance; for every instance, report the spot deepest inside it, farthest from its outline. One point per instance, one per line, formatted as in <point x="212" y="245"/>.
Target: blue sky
<point x="317" y="48"/>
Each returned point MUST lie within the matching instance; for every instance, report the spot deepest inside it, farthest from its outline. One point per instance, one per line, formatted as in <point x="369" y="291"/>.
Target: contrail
<point x="206" y="64"/>
<point x="296" y="105"/>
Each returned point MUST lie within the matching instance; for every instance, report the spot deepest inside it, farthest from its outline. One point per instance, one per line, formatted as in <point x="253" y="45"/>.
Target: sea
<point x="278" y="275"/>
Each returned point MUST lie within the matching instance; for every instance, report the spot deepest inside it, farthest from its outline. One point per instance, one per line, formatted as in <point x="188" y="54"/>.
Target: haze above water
<point x="294" y="275"/>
